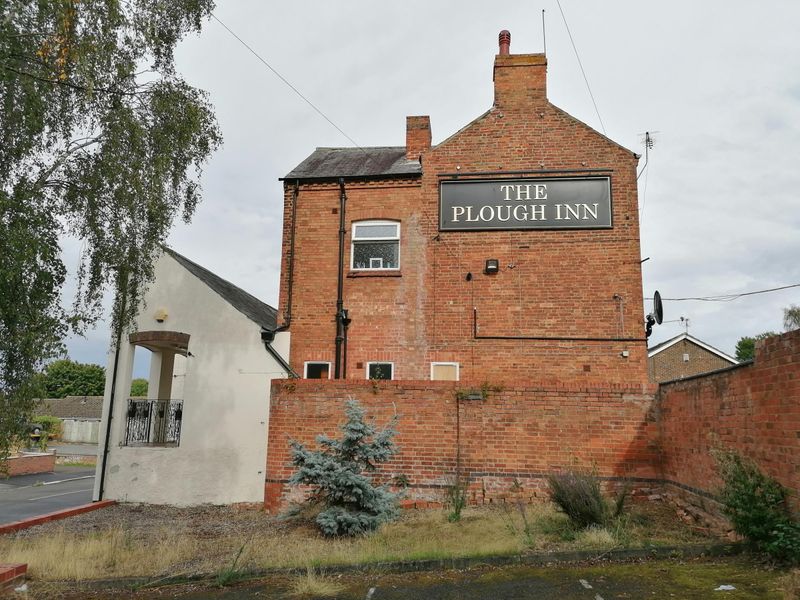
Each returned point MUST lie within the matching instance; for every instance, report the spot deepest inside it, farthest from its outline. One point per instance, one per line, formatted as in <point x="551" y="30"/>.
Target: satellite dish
<point x="657" y="316"/>
<point x="658" y="308"/>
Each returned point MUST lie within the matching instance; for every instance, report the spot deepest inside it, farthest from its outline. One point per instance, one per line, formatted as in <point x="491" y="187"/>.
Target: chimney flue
<point x="505" y="42"/>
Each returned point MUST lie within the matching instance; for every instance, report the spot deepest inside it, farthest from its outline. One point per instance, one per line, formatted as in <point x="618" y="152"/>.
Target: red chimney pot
<point x="505" y="42"/>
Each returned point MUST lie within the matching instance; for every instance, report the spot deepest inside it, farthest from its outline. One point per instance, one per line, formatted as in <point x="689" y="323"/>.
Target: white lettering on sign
<point x="523" y="191"/>
<point x="579" y="212"/>
<point x="557" y="203"/>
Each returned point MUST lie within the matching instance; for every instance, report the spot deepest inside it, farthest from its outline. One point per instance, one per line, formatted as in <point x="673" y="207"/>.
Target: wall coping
<point x="491" y="386"/>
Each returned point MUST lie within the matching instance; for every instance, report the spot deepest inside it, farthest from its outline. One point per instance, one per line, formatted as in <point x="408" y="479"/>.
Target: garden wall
<point x="506" y="436"/>
<point x="753" y="408"/>
<point x="30" y="464"/>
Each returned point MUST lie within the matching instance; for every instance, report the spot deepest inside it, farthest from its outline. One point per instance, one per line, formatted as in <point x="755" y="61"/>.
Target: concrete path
<point x="29" y="496"/>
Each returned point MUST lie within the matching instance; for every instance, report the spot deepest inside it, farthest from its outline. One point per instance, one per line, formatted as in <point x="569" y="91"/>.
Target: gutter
<point x="267" y="336"/>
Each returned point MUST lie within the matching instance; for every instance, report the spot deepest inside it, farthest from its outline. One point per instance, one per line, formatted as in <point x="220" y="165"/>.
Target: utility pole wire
<point x="730" y="297"/>
<point x="580" y="64"/>
<point x="286" y="81"/>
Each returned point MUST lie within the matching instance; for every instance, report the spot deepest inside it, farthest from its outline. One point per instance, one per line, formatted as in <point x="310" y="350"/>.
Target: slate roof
<point x="331" y="163"/>
<point x="71" y="407"/>
<point x="247" y="304"/>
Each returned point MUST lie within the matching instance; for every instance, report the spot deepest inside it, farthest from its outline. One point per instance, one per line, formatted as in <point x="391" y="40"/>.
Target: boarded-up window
<point x="444" y="371"/>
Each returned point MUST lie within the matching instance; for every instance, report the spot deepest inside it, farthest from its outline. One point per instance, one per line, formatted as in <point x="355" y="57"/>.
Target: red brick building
<point x="506" y="257"/>
<point x="683" y="356"/>
<point x="508" y="251"/>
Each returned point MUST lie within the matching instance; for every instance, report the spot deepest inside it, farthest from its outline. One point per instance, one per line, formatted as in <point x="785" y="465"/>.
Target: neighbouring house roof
<point x="71" y="407"/>
<point x="330" y="163"/>
<point x="685" y="336"/>
<point x="254" y="309"/>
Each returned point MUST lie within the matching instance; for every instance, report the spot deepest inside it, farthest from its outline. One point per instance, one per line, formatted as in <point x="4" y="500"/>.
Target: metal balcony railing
<point x="153" y="422"/>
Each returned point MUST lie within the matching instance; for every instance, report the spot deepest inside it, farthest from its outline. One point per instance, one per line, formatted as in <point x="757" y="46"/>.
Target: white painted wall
<point x="80" y="431"/>
<point x="222" y="454"/>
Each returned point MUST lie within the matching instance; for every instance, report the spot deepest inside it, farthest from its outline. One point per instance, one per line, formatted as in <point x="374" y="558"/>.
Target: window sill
<point x="375" y="273"/>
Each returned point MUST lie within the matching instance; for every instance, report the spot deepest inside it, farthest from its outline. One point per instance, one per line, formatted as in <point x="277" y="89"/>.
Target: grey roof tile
<point x="330" y="163"/>
<point x="247" y="304"/>
<point x="71" y="407"/>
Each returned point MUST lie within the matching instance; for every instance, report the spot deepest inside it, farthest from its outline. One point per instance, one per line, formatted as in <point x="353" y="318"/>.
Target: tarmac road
<point x="29" y="496"/>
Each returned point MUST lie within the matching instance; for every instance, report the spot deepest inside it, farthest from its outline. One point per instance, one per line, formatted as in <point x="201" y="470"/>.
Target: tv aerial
<point x="655" y="317"/>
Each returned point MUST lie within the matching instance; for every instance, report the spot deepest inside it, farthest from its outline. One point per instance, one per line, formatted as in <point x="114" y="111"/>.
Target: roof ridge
<point x="259" y="312"/>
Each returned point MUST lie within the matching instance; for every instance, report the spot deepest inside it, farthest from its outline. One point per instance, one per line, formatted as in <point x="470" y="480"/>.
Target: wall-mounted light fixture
<point x="492" y="266"/>
<point x="161" y="315"/>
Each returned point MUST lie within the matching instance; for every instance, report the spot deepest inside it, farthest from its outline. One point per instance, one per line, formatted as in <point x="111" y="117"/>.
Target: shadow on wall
<point x="753" y="408"/>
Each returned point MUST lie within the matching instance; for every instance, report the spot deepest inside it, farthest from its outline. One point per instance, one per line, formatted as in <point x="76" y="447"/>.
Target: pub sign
<point x="559" y="203"/>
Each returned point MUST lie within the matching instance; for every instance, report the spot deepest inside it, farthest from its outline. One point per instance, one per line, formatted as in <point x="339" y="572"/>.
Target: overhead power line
<point x="730" y="297"/>
<point x="580" y="64"/>
<point x="286" y="81"/>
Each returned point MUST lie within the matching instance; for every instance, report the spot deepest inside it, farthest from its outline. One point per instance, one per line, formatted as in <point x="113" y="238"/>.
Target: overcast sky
<point x="719" y="83"/>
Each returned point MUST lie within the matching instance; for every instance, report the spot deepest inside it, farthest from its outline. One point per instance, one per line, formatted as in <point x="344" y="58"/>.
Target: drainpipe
<point x="113" y="393"/>
<point x="345" y="325"/>
<point x="290" y="282"/>
<point x="268" y="335"/>
<point x="340" y="314"/>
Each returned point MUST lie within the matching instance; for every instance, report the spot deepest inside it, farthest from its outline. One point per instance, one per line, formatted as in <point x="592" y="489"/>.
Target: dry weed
<point x="316" y="586"/>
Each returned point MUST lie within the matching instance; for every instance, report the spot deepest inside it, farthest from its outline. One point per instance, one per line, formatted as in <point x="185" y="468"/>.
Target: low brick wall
<point x="754" y="409"/>
<point x="30" y="464"/>
<point x="513" y="437"/>
<point x="507" y="440"/>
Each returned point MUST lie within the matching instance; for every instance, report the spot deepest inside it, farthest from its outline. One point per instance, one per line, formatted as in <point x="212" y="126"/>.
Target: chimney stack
<point x="520" y="80"/>
<point x="505" y="42"/>
<point x="418" y="136"/>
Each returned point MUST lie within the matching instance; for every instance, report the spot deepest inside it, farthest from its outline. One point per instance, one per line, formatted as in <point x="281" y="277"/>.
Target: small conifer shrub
<point x="338" y="474"/>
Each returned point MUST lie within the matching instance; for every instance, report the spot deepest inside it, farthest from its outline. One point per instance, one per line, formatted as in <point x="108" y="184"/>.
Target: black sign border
<point x="529" y="179"/>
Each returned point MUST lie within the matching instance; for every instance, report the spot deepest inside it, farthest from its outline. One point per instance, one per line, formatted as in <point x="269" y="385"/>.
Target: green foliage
<point x="525" y="529"/>
<point x="791" y="318"/>
<point x="62" y="378"/>
<point x="50" y="425"/>
<point x="101" y="140"/>
<point x="578" y="496"/>
<point x="456" y="498"/>
<point x="338" y="475"/>
<point x="756" y="505"/>
<point x="139" y="387"/>
<point x="746" y="346"/>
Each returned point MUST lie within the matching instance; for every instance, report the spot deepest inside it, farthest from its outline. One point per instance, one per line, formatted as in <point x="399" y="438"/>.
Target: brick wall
<point x="30" y="464"/>
<point x="669" y="364"/>
<point x="524" y="430"/>
<point x="514" y="434"/>
<point x="580" y="284"/>
<point x="754" y="409"/>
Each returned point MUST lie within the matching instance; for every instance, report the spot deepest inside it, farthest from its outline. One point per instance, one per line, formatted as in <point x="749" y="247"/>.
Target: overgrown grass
<point x="56" y="554"/>
<point x="316" y="586"/>
<point x="109" y="553"/>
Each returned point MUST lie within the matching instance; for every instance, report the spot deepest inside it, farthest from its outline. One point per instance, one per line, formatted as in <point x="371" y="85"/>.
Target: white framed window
<point x="444" y="371"/>
<point x="380" y="370"/>
<point x="375" y="246"/>
<point x="317" y="370"/>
